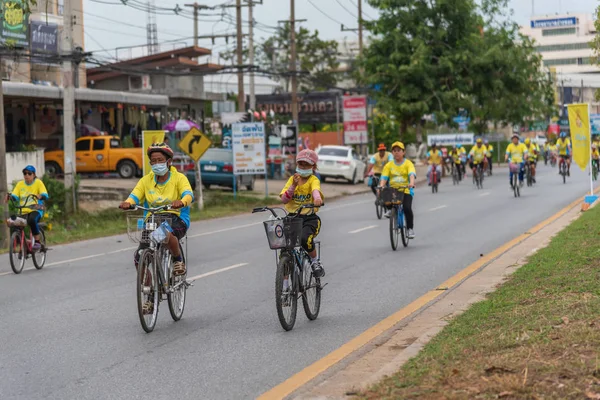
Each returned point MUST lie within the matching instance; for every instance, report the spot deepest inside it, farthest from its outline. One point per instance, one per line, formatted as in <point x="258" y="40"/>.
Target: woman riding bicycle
<point x="31" y="185"/>
<point x="164" y="186"/>
<point x="401" y="175"/>
<point x="305" y="188"/>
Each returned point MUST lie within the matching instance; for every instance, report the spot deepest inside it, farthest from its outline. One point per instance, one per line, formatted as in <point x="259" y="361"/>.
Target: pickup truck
<point x="98" y="154"/>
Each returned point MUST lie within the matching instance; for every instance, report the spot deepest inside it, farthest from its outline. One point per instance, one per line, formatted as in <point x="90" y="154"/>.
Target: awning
<point x="29" y="90"/>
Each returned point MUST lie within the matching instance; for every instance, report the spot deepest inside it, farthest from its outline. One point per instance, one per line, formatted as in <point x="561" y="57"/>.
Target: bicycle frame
<point x="21" y="229"/>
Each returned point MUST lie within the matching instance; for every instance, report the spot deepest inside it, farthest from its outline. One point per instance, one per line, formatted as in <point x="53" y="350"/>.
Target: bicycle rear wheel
<point x="394" y="228"/>
<point x="311" y="294"/>
<point x="147" y="291"/>
<point x="17" y="252"/>
<point x="176" y="299"/>
<point x="39" y="257"/>
<point x="378" y="208"/>
<point x="286" y="300"/>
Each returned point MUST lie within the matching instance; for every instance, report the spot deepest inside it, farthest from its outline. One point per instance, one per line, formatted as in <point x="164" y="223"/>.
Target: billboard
<point x="450" y="139"/>
<point x="355" y="120"/>
<point x="248" y="148"/>
<point x="554" y="23"/>
<point x="313" y="108"/>
<point x="15" y="24"/>
<point x="44" y="40"/>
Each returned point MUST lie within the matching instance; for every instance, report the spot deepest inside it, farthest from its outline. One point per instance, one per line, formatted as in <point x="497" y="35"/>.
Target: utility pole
<point x="360" y="28"/>
<point x="68" y="107"/>
<point x="4" y="239"/>
<point x="196" y="7"/>
<point x="293" y="66"/>
<point x="241" y="95"/>
<point x="251" y="54"/>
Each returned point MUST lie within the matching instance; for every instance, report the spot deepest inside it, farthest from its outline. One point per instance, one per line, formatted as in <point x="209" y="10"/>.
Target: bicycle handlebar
<point x="35" y="206"/>
<point x="272" y="209"/>
<point x="150" y="209"/>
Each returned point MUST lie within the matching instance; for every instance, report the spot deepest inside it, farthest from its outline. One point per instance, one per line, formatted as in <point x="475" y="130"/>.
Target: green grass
<point x="83" y="226"/>
<point x="536" y="337"/>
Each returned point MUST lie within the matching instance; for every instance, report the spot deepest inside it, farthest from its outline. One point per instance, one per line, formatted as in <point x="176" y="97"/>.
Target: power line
<point x="324" y="13"/>
<point x="344" y="7"/>
<point x="363" y="11"/>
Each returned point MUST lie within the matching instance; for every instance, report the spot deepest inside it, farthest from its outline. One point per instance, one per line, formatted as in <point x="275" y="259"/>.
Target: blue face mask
<point x="160" y="169"/>
<point x="304" y="172"/>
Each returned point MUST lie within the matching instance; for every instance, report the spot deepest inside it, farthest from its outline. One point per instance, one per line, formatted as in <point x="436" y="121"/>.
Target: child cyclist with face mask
<point x="301" y="189"/>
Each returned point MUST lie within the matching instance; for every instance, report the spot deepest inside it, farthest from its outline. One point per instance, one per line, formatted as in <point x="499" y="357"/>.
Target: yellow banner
<point x="149" y="137"/>
<point x="579" y="122"/>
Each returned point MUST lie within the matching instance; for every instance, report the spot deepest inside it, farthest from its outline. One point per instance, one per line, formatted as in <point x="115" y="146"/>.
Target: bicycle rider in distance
<point x="595" y="156"/>
<point x="164" y="186"/>
<point x="564" y="150"/>
<point x="31" y="185"/>
<point x="401" y="175"/>
<point x="478" y="155"/>
<point x="376" y="164"/>
<point x="301" y="189"/>
<point x="434" y="157"/>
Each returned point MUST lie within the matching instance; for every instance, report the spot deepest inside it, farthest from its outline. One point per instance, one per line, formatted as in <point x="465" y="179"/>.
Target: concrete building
<point x="564" y="42"/>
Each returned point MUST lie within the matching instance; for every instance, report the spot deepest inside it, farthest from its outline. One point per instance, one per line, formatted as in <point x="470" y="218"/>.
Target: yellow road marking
<point x="312" y="371"/>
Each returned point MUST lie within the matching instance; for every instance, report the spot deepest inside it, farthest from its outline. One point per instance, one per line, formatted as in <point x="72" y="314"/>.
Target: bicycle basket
<point x="140" y="230"/>
<point x="391" y="196"/>
<point x="283" y="233"/>
<point x="514" y="168"/>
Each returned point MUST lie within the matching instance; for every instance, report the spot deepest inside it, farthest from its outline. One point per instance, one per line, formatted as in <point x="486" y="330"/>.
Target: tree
<point x="317" y="59"/>
<point x="418" y="56"/>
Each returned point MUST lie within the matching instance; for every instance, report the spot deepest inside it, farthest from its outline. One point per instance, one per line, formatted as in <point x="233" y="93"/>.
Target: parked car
<point x="98" y="154"/>
<point x="341" y="162"/>
<point x="216" y="166"/>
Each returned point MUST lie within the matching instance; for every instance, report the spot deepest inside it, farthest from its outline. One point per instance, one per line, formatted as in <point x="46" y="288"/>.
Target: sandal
<point x="179" y="268"/>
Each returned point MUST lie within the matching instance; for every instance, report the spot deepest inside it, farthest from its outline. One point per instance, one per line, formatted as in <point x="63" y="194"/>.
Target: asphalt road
<point x="71" y="331"/>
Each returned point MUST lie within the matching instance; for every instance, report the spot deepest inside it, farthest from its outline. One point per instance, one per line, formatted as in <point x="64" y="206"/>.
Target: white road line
<point x="484" y="194"/>
<point x="218" y="271"/>
<point x="438" y="208"/>
<point x="363" y="229"/>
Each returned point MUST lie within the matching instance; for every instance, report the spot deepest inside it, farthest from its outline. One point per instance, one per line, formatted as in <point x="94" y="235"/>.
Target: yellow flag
<point x="579" y="122"/>
<point x="149" y="137"/>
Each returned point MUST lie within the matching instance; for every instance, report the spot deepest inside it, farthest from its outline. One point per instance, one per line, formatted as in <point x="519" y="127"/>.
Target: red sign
<point x="355" y="120"/>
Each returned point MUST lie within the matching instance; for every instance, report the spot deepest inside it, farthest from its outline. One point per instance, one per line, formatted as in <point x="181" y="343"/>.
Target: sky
<point x="109" y="24"/>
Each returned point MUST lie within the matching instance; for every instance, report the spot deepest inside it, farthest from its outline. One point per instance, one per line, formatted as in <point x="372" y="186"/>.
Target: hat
<point x="515" y="135"/>
<point x="527" y="141"/>
<point x="381" y="147"/>
<point x="479" y="140"/>
<point x="29" y="168"/>
<point x="398" y="144"/>
<point x="308" y="156"/>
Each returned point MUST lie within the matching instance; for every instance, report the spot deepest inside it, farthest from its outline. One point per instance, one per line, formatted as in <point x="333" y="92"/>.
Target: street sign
<point x="355" y="120"/>
<point x="194" y="144"/>
<point x="249" y="148"/>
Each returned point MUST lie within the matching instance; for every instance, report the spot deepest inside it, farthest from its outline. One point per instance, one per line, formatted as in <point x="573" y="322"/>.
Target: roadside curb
<point x="351" y="367"/>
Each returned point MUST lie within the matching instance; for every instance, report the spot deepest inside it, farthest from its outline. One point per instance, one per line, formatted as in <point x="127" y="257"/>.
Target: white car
<point x="341" y="162"/>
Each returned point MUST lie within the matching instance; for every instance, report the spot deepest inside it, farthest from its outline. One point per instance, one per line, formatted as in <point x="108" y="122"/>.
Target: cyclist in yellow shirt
<point x="401" y="175"/>
<point x="455" y="156"/>
<point x="434" y="157"/>
<point x="376" y="164"/>
<point x="533" y="150"/>
<point x="463" y="158"/>
<point x="490" y="155"/>
<point x="516" y="153"/>
<point x="564" y="151"/>
<point x="164" y="185"/>
<point x="595" y="156"/>
<point x="477" y="155"/>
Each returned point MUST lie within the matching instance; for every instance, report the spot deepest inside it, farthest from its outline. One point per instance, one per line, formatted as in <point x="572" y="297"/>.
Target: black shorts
<point x="533" y="162"/>
<point x="311" y="226"/>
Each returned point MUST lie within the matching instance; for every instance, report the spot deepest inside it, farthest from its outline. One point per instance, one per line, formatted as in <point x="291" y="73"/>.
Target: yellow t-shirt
<point x="434" y="157"/>
<point x="22" y="190"/>
<point x="533" y="150"/>
<point x="379" y="162"/>
<point x="517" y="153"/>
<point x="302" y="194"/>
<point x="490" y="150"/>
<point x="552" y="148"/>
<point x="455" y="154"/>
<point x="398" y="174"/>
<point x="563" y="146"/>
<point x="478" y="153"/>
<point x="595" y="154"/>
<point x="154" y="194"/>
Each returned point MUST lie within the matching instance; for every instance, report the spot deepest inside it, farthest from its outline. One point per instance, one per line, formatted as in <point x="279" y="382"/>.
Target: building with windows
<point x="564" y="41"/>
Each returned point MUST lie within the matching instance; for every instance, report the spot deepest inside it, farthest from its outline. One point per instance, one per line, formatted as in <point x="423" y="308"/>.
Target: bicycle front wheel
<point x="39" y="257"/>
<point x="311" y="294"/>
<point x="394" y="228"/>
<point x="378" y="208"/>
<point x="17" y="252"/>
<point x="286" y="298"/>
<point x="403" y="229"/>
<point x="176" y="299"/>
<point x="147" y="291"/>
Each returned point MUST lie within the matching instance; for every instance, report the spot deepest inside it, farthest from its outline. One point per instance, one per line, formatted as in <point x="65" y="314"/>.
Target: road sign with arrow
<point x="195" y="144"/>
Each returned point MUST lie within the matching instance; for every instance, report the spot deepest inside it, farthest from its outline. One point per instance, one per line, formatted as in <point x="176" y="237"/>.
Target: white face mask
<point x="160" y="169"/>
<point x="304" y="172"/>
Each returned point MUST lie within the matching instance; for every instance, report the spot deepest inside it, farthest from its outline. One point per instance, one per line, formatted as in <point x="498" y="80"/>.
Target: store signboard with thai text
<point x="355" y="120"/>
<point x="248" y="139"/>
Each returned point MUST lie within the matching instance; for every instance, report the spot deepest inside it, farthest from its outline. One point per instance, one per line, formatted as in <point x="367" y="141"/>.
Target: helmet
<point x="563" y="135"/>
<point x="29" y="168"/>
<point x="485" y="141"/>
<point x="458" y="145"/>
<point x="479" y="140"/>
<point x="308" y="156"/>
<point x="527" y="141"/>
<point x="381" y="147"/>
<point x="515" y="135"/>
<point x="160" y="147"/>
